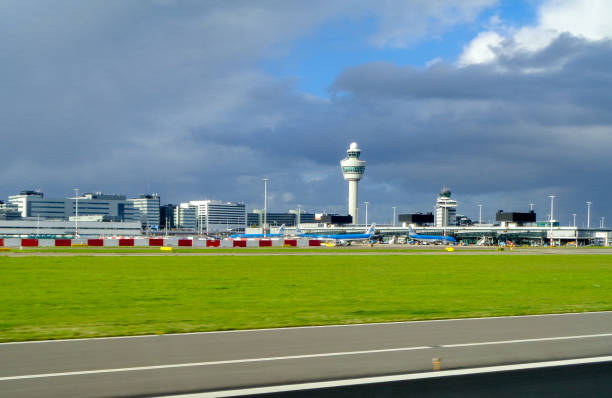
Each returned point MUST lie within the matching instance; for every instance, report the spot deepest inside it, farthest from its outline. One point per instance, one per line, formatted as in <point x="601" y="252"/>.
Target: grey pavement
<point x="167" y="364"/>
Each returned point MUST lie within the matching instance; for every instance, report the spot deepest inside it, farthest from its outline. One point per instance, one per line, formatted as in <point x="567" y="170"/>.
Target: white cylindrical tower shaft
<point x="353" y="199"/>
<point x="353" y="169"/>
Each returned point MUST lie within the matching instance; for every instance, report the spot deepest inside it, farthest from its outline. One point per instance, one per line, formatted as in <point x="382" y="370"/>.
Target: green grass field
<point x="69" y="297"/>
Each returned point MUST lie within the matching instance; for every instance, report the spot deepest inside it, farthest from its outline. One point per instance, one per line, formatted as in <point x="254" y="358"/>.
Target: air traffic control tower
<point x="353" y="169"/>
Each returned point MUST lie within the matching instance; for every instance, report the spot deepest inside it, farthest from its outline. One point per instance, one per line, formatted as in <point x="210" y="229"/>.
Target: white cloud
<point x="587" y="19"/>
<point x="481" y="49"/>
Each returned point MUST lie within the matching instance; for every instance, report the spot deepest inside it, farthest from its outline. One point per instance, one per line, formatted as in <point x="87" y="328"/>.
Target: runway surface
<point x="172" y="364"/>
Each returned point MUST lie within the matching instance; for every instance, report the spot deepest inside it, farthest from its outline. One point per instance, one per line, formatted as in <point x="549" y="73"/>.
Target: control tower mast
<point x="353" y="169"/>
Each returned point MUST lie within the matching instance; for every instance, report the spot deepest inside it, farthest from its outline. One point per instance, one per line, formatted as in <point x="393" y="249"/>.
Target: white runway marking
<point x="305" y="356"/>
<point x="386" y="379"/>
<point x="280" y="329"/>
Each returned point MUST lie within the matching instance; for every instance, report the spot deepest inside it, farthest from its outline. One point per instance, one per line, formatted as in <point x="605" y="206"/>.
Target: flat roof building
<point x="416" y="219"/>
<point x="185" y="217"/>
<point x="148" y="209"/>
<point x="216" y="216"/>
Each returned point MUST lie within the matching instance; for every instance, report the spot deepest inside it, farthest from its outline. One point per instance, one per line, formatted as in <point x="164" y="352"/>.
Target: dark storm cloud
<point x="169" y="97"/>
<point x="527" y="122"/>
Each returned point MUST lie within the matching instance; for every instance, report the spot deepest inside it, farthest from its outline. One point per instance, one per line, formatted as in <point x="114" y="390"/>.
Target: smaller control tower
<point x="353" y="169"/>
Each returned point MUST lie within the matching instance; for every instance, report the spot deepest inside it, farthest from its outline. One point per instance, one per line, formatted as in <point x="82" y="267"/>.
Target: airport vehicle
<point x="342" y="239"/>
<point x="280" y="234"/>
<point x="431" y="238"/>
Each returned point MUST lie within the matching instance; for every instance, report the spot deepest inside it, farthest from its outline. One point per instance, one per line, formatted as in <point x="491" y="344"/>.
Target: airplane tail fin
<point x="370" y="230"/>
<point x="298" y="231"/>
<point x="281" y="230"/>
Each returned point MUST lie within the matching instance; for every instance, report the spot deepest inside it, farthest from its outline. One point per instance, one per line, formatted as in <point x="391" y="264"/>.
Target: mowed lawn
<point x="69" y="297"/>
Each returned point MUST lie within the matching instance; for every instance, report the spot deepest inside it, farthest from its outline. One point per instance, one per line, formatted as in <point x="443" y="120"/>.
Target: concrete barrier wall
<point x="12" y="242"/>
<point x="200" y="243"/>
<point x="171" y="242"/>
<point x="147" y="242"/>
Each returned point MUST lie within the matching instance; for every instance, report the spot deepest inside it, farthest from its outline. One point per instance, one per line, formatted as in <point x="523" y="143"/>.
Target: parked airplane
<point x="431" y="238"/>
<point x="280" y="234"/>
<point x="342" y="239"/>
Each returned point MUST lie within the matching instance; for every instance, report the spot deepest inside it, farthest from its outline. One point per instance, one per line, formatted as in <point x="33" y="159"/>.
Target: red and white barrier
<point x="156" y="242"/>
<point x="29" y="242"/>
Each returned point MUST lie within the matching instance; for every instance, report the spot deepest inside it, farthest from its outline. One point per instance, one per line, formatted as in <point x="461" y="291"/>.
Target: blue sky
<point x="315" y="60"/>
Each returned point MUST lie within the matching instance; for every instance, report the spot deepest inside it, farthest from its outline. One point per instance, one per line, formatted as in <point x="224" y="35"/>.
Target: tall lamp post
<point x="366" y="212"/>
<point x="479" y="214"/>
<point x="552" y="218"/>
<point x="299" y="215"/>
<point x="588" y="214"/>
<point x="265" y="180"/>
<point x="394" y="207"/>
<point x="574" y="214"/>
<point x="76" y="213"/>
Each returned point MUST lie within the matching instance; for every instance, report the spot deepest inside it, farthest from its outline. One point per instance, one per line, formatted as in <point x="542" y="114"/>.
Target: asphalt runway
<point x="217" y="361"/>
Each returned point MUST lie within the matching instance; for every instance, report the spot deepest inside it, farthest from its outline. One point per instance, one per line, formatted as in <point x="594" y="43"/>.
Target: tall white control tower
<point x="353" y="169"/>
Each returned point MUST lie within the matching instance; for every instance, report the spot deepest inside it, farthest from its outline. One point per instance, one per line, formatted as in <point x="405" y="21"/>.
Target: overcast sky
<point x="504" y="102"/>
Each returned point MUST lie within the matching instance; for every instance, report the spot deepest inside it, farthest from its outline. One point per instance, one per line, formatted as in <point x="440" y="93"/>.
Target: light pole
<point x="265" y="180"/>
<point x="366" y="212"/>
<point x="574" y="214"/>
<point x="394" y="207"/>
<point x="588" y="214"/>
<point x="602" y="222"/>
<point x="552" y="207"/>
<point x="299" y="215"/>
<point x="76" y="213"/>
<point x="479" y="214"/>
<point x="531" y="206"/>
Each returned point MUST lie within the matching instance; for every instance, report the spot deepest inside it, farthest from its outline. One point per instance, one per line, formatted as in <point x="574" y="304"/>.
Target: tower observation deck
<point x="353" y="169"/>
